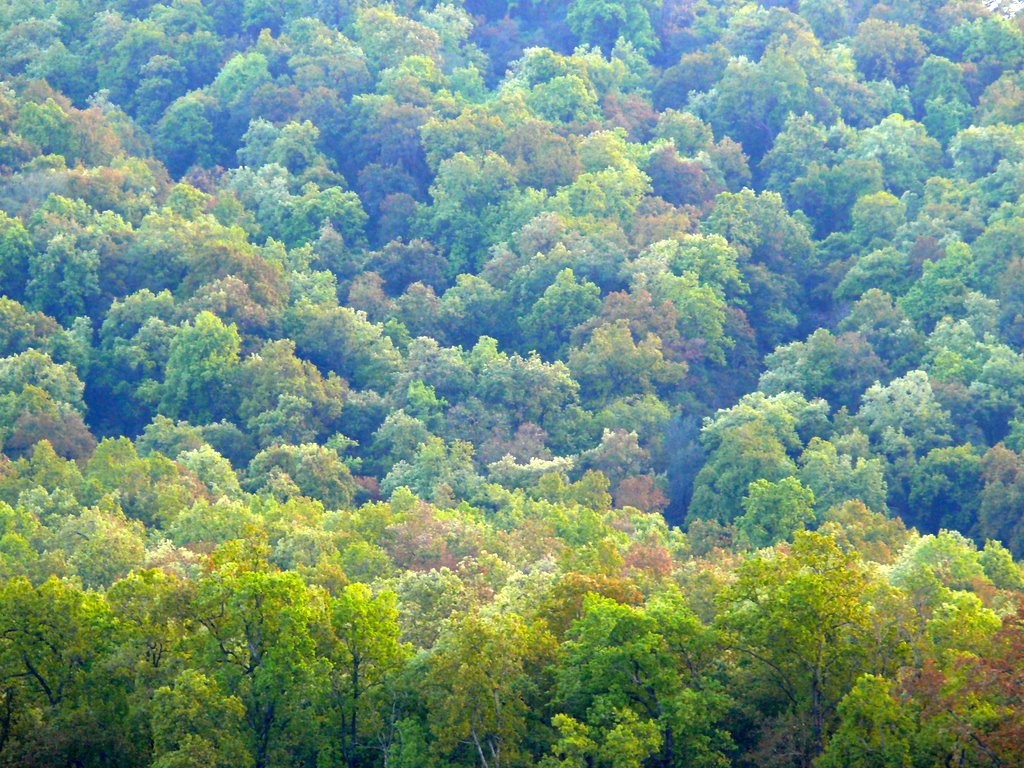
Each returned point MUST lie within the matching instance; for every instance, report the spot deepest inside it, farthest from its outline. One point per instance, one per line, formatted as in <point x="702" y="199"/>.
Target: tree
<point x="201" y="363"/>
<point x="838" y="477"/>
<point x="835" y="368"/>
<point x="40" y="400"/>
<point x="387" y="37"/>
<point x="753" y="100"/>
<point x="306" y="216"/>
<point x="637" y="681"/>
<point x="754" y="439"/>
<point x="909" y="156"/>
<point x="343" y="340"/>
<point x="440" y="472"/>
<point x="874" y="729"/>
<point x="102" y="545"/>
<point x="402" y="264"/>
<point x="954" y="704"/>
<point x="879" y="319"/>
<point x="885" y="269"/>
<point x="743" y="454"/>
<point x="775" y="255"/>
<point x="151" y="606"/>
<point x="945" y="489"/>
<point x="273" y="382"/>
<point x="467" y="211"/>
<point x="185" y="134"/>
<point x="134" y="343"/>
<point x="259" y="638"/>
<point x="480" y="687"/>
<point x="195" y="724"/>
<point x="602" y="23"/>
<point x="884" y="50"/>
<point x="309" y="470"/>
<point x="22" y="329"/>
<point x="1002" y="497"/>
<point x="828" y="193"/>
<point x="64" y="279"/>
<point x="150" y="489"/>
<point x="905" y="406"/>
<point x="612" y="364"/>
<point x="801" y="619"/>
<point x="47" y="125"/>
<point x="699" y="275"/>
<point x="34" y="368"/>
<point x="564" y="305"/>
<point x="876" y="218"/>
<point x="564" y="99"/>
<point x="16" y="254"/>
<point x="991" y="43"/>
<point x="61" y="694"/>
<point x="366" y="654"/>
<point x="773" y="512"/>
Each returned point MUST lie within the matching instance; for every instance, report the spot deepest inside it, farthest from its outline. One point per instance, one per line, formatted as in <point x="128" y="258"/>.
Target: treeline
<point x="585" y="384"/>
<point x="545" y="633"/>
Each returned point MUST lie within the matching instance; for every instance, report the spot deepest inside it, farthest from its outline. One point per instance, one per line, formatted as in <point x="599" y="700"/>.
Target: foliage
<point x="359" y="361"/>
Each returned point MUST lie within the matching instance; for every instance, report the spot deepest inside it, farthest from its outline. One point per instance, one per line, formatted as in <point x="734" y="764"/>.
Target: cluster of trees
<point x="246" y="631"/>
<point x="566" y="384"/>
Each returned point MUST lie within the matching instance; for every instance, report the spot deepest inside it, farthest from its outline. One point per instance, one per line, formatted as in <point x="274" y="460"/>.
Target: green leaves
<point x="875" y="729"/>
<point x="259" y="627"/>
<point x="801" y="619"/>
<point x="201" y="364"/>
<point x="774" y="511"/>
<point x="195" y="724"/>
<point x="481" y="687"/>
<point x="366" y="656"/>
<point x="635" y="682"/>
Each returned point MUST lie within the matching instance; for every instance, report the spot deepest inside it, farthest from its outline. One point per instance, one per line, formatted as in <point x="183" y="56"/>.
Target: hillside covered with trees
<point x="534" y="384"/>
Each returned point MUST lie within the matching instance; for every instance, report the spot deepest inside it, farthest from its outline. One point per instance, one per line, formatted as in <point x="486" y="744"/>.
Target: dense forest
<point x="541" y="383"/>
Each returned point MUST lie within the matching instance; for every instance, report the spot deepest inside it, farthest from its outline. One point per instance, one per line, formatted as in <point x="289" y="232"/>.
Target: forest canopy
<point x="563" y="384"/>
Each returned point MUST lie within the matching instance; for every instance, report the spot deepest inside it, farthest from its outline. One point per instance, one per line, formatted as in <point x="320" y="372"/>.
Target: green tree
<point x="905" y="407"/>
<point x="61" y="693"/>
<point x="613" y="364"/>
<point x="640" y="680"/>
<point x="837" y="368"/>
<point x="773" y="512"/>
<point x="201" y="365"/>
<point x="945" y="489"/>
<point x="742" y="455"/>
<point x="776" y="254"/>
<point x="757" y="438"/>
<point x="366" y="654"/>
<point x="440" y="472"/>
<point x="273" y="380"/>
<point x="836" y="477"/>
<point x="753" y="99"/>
<point x="16" y="254"/>
<point x="602" y="23"/>
<point x="481" y="687"/>
<point x="64" y="279"/>
<point x="102" y="545"/>
<point x="565" y="304"/>
<point x="310" y="470"/>
<point x="185" y="134"/>
<point x="343" y="340"/>
<point x="467" y="212"/>
<point x="801" y="619"/>
<point x="884" y="50"/>
<point x="909" y="156"/>
<point x="259" y="638"/>
<point x="195" y="724"/>
<point x="875" y="729"/>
